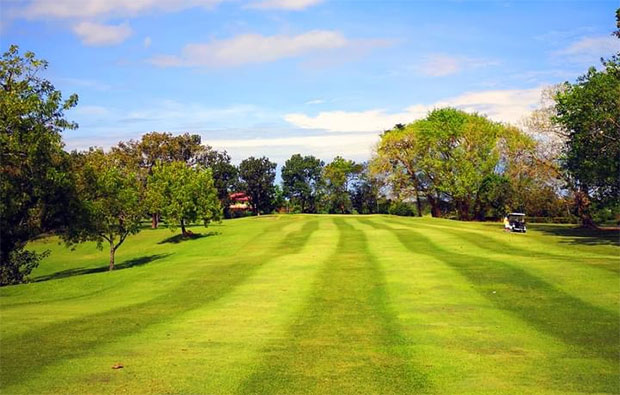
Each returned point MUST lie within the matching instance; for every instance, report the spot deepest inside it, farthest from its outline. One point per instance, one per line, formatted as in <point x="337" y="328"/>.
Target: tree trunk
<point x="418" y="203"/>
<point x="154" y="221"/>
<point x="434" y="202"/>
<point x="112" y="251"/>
<point x="183" y="231"/>
<point x="582" y="202"/>
<point x="463" y="208"/>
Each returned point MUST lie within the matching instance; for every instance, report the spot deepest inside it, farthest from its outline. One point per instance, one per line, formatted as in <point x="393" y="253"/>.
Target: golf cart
<point x="515" y="222"/>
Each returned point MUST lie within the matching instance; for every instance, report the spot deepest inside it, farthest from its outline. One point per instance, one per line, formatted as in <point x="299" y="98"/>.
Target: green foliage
<point x="589" y="111"/>
<point x="36" y="190"/>
<point x="301" y="181"/>
<point x="225" y="175"/>
<point x="112" y="204"/>
<point x="493" y="197"/>
<point x="337" y="176"/>
<point x="365" y="193"/>
<point x="182" y="194"/>
<point x="403" y="209"/>
<point x="447" y="155"/>
<point x="258" y="176"/>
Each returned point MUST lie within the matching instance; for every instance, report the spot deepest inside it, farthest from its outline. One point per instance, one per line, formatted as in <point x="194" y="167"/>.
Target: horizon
<point x="278" y="77"/>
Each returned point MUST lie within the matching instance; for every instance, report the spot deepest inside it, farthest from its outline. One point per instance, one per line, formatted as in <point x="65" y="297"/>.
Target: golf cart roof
<point x="517" y="214"/>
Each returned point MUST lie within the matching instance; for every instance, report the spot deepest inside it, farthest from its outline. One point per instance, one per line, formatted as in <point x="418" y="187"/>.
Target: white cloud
<point x="61" y="9"/>
<point x="439" y="65"/>
<point x="252" y="48"/>
<point x="294" y="5"/>
<point x="590" y="48"/>
<point x="147" y="42"/>
<point x="96" y="34"/>
<point x="315" y="101"/>
<point x="500" y="105"/>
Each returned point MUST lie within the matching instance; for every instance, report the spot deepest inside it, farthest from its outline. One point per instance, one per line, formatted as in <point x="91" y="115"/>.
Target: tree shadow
<point x="81" y="271"/>
<point x="176" y="239"/>
<point x="582" y="235"/>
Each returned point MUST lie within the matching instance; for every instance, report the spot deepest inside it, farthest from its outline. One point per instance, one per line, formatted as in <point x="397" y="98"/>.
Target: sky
<point x="320" y="77"/>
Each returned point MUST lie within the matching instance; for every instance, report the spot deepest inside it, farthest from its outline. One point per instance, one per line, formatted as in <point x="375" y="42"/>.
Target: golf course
<point x="321" y="304"/>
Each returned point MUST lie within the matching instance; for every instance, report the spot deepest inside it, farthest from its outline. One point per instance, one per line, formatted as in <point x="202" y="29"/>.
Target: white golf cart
<point x="515" y="222"/>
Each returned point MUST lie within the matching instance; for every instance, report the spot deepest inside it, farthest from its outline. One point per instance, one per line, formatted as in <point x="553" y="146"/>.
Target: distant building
<point x="239" y="201"/>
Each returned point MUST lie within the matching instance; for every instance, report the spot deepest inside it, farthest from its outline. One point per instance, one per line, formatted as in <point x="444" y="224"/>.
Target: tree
<point x="301" y="180"/>
<point x="111" y="197"/>
<point x="447" y="156"/>
<point x="258" y="176"/>
<point x="365" y="193"/>
<point x="36" y="188"/>
<point x="589" y="113"/>
<point x="225" y="174"/>
<point x="183" y="195"/>
<point x="337" y="175"/>
<point x="157" y="147"/>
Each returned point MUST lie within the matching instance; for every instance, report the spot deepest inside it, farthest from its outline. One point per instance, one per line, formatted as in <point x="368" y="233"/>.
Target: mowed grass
<point x="321" y="304"/>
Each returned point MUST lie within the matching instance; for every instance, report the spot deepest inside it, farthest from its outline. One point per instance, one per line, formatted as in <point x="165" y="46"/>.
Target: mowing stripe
<point x="347" y="339"/>
<point x="30" y="352"/>
<point x="207" y="350"/>
<point x="589" y="329"/>
<point x="483" y="240"/>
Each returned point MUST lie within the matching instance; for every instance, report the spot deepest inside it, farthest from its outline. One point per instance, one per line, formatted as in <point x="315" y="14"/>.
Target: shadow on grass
<point x="176" y="239"/>
<point x="143" y="260"/>
<point x="582" y="235"/>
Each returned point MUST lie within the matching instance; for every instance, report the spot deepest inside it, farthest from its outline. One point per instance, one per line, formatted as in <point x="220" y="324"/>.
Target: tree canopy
<point x="258" y="176"/>
<point x="35" y="187"/>
<point x="301" y="181"/>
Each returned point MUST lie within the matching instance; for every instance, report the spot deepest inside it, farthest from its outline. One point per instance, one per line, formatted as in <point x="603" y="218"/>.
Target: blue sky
<point x="277" y="77"/>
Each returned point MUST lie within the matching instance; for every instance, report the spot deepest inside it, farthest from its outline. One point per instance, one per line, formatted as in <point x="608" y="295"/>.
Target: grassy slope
<point x="321" y="304"/>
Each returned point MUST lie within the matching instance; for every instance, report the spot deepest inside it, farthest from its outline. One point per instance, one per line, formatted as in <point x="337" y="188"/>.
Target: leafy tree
<point x="183" y="194"/>
<point x="225" y="175"/>
<point x="35" y="187"/>
<point x="112" y="201"/>
<point x="156" y="147"/>
<point x="365" y="193"/>
<point x="258" y="176"/>
<point x="338" y="175"/>
<point x="589" y="113"/>
<point x="301" y="180"/>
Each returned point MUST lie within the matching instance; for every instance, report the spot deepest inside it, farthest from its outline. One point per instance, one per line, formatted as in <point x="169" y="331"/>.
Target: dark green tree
<point x="589" y="112"/>
<point x="258" y="176"/>
<point x="301" y="181"/>
<point x="365" y="193"/>
<point x="36" y="186"/>
<point x="225" y="175"/>
<point x="338" y="176"/>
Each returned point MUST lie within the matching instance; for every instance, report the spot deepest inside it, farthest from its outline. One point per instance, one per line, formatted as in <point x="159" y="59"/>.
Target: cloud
<point x="440" y="65"/>
<point x="66" y="9"/>
<point x="315" y="101"/>
<point x="252" y="48"/>
<point x="500" y="105"/>
<point x="294" y="5"/>
<point x="590" y="48"/>
<point x="95" y="34"/>
<point x="147" y="42"/>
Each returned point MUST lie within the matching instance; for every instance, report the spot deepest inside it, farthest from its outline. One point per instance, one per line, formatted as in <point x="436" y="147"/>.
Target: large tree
<point x="112" y="201"/>
<point x="301" y="181"/>
<point x="36" y="186"/>
<point x="258" y="176"/>
<point x="589" y="112"/>
<point x="448" y="155"/>
<point x="183" y="194"/>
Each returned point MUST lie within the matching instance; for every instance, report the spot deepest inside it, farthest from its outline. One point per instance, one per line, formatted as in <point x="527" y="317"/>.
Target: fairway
<point x="321" y="304"/>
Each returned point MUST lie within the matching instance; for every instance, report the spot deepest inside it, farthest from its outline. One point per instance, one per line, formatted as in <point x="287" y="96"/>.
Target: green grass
<point x="321" y="304"/>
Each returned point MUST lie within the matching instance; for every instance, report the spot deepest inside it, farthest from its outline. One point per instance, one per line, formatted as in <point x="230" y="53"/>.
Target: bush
<point x="402" y="209"/>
